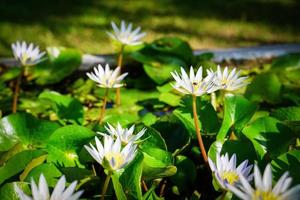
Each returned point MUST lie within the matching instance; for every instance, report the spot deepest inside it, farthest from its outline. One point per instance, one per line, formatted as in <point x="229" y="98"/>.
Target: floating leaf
<point x="65" y="144"/>
<point x="287" y="113"/>
<point x="66" y="107"/>
<point x="173" y="132"/>
<point x="174" y="46"/>
<point x="264" y="87"/>
<point x="243" y="149"/>
<point x="131" y="178"/>
<point x="7" y="192"/>
<point x="287" y="67"/>
<point x="269" y="137"/>
<point x="54" y="70"/>
<point x="186" y="173"/>
<point x="18" y="163"/>
<point x="289" y="161"/>
<point x="10" y="74"/>
<point x="207" y="115"/>
<point x="160" y="70"/>
<point x="237" y="112"/>
<point x="24" y="128"/>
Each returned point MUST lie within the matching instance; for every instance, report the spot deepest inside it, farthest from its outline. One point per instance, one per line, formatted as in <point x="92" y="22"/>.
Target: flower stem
<point x="213" y="100"/>
<point x="201" y="145"/>
<point x="16" y="93"/>
<point x="120" y="61"/>
<point x="144" y="185"/>
<point x="105" y="186"/>
<point x="103" y="106"/>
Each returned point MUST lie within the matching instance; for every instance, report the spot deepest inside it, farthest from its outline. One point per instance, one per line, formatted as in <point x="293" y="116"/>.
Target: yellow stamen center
<point x="116" y="160"/>
<point x="264" y="195"/>
<point x="231" y="176"/>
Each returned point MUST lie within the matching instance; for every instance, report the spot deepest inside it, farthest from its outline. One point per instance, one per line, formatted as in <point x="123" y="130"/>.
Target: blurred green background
<point x="204" y="24"/>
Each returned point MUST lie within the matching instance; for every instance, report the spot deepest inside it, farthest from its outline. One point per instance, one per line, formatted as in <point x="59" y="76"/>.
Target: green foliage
<point x="131" y="178"/>
<point x="237" y="112"/>
<point x="50" y="172"/>
<point x="269" y="136"/>
<point x="287" y="67"/>
<point x="26" y="129"/>
<point x="186" y="173"/>
<point x="206" y="115"/>
<point x="18" y="163"/>
<point x="67" y="108"/>
<point x="158" y="162"/>
<point x="48" y="136"/>
<point x="65" y="144"/>
<point x="53" y="70"/>
<point x="7" y="192"/>
<point x="290" y="162"/>
<point x="10" y="74"/>
<point x="265" y="87"/>
<point x="163" y="56"/>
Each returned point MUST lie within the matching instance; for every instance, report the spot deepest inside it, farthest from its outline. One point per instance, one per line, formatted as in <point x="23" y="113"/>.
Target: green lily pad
<point x="26" y="129"/>
<point x="66" y="107"/>
<point x="269" y="136"/>
<point x="18" y="163"/>
<point x="237" y="112"/>
<point x="65" y="144"/>
<point x="53" y="70"/>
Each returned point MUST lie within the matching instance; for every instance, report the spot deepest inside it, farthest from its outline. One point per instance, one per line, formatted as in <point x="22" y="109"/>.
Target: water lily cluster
<point x="204" y="132"/>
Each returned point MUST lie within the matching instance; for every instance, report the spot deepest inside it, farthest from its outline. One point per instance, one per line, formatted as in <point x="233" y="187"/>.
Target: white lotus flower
<point x="227" y="80"/>
<point x="111" y="155"/>
<point x="41" y="191"/>
<point x="125" y="35"/>
<point x="124" y="134"/>
<point x="27" y="55"/>
<point x="107" y="78"/>
<point x="263" y="187"/>
<point x="226" y="171"/>
<point x="193" y="84"/>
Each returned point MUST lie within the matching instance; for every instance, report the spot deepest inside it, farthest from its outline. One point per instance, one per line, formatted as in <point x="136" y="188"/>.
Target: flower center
<point x="231" y="176"/>
<point x="264" y="195"/>
<point x="196" y="86"/>
<point x="116" y="160"/>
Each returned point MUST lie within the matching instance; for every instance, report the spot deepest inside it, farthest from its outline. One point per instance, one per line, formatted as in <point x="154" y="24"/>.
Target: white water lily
<point x="193" y="84"/>
<point x="124" y="134"/>
<point x="107" y="78"/>
<point x="110" y="154"/>
<point x="41" y="191"/>
<point x="27" y="55"/>
<point x="125" y="35"/>
<point x="228" y="80"/>
<point x="226" y="172"/>
<point x="263" y="187"/>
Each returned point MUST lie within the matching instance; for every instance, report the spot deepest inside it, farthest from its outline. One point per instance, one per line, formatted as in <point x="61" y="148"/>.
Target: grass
<point x="205" y="24"/>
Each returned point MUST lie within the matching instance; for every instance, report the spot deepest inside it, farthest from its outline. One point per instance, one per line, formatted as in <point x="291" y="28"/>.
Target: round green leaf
<point x="66" y="107"/>
<point x="7" y="191"/>
<point x="50" y="172"/>
<point x="289" y="161"/>
<point x="264" y="87"/>
<point x="173" y="132"/>
<point x="237" y="112"/>
<point x="26" y="129"/>
<point x="269" y="137"/>
<point x="186" y="173"/>
<point x="131" y="178"/>
<point x="54" y="70"/>
<point x="65" y="144"/>
<point x="18" y="163"/>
